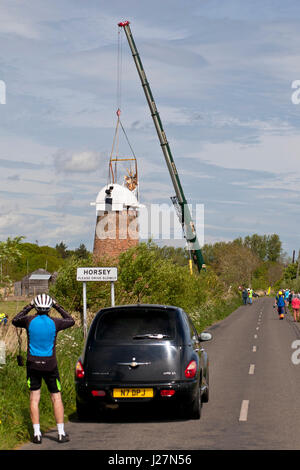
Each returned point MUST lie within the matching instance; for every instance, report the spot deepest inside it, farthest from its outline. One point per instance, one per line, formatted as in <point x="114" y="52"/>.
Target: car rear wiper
<point x="151" y="336"/>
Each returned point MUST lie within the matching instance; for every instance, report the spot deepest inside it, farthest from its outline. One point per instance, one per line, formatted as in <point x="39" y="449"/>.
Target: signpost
<point x="2" y="352"/>
<point x="103" y="274"/>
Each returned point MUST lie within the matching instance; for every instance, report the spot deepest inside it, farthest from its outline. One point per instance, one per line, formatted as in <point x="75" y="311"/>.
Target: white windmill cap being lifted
<point x="115" y="197"/>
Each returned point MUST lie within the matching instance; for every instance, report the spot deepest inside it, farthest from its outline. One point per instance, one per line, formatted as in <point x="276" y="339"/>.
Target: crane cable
<point x="119" y="84"/>
<point x="119" y="70"/>
<point x="118" y="98"/>
<point x="119" y="102"/>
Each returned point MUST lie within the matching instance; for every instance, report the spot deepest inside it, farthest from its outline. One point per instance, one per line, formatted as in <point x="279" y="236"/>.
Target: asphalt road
<point x="254" y="393"/>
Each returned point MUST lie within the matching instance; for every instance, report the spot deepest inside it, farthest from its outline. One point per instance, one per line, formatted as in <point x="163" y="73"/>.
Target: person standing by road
<point x="292" y="293"/>
<point x="41" y="358"/>
<point x="250" y="295"/>
<point x="296" y="307"/>
<point x="244" y="295"/>
<point x="286" y="298"/>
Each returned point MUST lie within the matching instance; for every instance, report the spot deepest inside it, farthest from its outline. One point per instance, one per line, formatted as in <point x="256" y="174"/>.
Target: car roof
<point x="133" y="306"/>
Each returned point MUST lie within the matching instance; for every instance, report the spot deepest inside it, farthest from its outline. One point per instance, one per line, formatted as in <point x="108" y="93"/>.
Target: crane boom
<point x="179" y="200"/>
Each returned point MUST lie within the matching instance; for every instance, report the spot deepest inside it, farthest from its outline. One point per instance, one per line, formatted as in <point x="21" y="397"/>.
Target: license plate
<point x="133" y="392"/>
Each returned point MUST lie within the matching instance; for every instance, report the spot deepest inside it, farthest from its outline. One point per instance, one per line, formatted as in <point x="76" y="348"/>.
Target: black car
<point x="148" y="354"/>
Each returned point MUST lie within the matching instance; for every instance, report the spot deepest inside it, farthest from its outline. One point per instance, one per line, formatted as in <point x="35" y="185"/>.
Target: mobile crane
<point x="179" y="199"/>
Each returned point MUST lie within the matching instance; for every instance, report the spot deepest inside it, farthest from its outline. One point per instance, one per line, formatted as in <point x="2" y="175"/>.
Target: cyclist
<point x="279" y="301"/>
<point x="41" y="358"/>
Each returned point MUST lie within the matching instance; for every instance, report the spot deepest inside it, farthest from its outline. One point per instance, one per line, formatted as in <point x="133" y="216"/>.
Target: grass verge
<point x="15" y="423"/>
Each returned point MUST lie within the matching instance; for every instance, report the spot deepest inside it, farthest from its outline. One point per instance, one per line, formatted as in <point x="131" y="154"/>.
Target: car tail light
<point x="191" y="370"/>
<point x="79" y="370"/>
<point x="98" y="393"/>
<point x="167" y="393"/>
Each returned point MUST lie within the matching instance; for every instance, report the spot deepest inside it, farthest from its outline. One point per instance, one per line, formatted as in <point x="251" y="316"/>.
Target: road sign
<point x="97" y="274"/>
<point x="103" y="274"/>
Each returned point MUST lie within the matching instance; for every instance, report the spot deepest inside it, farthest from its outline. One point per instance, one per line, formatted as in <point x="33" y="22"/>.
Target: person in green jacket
<point x="250" y="295"/>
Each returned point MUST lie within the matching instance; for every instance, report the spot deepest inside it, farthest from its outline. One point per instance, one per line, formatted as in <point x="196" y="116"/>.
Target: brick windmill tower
<point x="117" y="206"/>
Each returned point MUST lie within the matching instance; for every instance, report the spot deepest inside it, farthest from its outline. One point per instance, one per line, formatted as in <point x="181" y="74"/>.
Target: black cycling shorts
<point x="51" y="378"/>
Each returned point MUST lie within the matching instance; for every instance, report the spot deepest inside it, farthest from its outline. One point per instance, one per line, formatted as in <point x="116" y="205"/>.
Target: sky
<point x="222" y="75"/>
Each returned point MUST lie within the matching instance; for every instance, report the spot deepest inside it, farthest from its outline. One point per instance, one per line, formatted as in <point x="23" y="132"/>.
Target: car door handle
<point x="133" y="364"/>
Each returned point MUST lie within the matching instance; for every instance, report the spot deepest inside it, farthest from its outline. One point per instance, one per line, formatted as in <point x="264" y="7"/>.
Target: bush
<point x="145" y="275"/>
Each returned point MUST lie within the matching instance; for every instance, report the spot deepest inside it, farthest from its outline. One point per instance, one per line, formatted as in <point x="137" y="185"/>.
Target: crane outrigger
<point x="179" y="200"/>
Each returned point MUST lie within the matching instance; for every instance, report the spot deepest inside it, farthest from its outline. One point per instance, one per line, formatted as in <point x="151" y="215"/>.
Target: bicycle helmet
<point x="43" y="303"/>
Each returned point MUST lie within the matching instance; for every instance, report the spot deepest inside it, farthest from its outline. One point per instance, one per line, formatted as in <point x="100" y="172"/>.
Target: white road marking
<point x="244" y="410"/>
<point x="251" y="369"/>
<point x="255" y="336"/>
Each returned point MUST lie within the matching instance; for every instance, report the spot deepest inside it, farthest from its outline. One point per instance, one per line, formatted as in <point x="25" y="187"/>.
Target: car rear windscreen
<point x="136" y="324"/>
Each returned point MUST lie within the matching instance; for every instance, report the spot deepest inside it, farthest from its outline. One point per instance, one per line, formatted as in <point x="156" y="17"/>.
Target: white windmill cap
<point x="122" y="198"/>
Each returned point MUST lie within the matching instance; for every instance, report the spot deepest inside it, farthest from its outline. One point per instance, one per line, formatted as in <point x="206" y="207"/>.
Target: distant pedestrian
<point x="250" y="295"/>
<point x="41" y="358"/>
<point x="286" y="294"/>
<point x="245" y="296"/>
<point x="279" y="302"/>
<point x="292" y="293"/>
<point x="286" y="298"/>
<point x="296" y="307"/>
<point x="3" y="319"/>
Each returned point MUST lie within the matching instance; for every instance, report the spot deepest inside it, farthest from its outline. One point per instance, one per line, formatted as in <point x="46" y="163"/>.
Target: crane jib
<point x="184" y="212"/>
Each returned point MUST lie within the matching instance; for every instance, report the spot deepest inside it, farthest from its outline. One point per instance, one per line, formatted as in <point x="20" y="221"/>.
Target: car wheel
<point x="196" y="406"/>
<point x="193" y="409"/>
<point x="205" y="394"/>
<point x="83" y="411"/>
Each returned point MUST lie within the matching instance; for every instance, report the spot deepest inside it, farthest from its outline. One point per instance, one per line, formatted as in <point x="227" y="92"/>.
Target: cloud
<point x="277" y="154"/>
<point x="77" y="162"/>
<point x="17" y="164"/>
<point x="11" y="25"/>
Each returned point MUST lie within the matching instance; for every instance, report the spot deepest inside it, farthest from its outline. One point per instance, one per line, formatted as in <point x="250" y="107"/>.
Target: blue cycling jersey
<point x="41" y="335"/>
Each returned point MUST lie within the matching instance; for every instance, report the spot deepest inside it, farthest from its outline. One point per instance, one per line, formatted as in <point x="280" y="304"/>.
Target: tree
<point x="62" y="249"/>
<point x="258" y="244"/>
<point x="291" y="271"/>
<point x="275" y="272"/>
<point x="274" y="247"/>
<point x="9" y="253"/>
<point x="235" y="264"/>
<point x="81" y="252"/>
